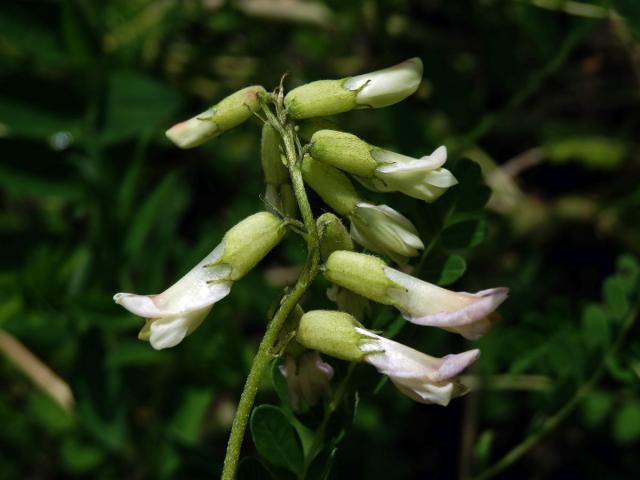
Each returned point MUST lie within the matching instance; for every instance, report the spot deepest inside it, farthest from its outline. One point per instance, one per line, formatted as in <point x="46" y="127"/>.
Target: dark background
<point x="544" y="95"/>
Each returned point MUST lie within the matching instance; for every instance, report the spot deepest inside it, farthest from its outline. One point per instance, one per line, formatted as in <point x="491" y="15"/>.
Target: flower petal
<point x="423" y="303"/>
<point x="202" y="286"/>
<point x="388" y="86"/>
<point x="423" y="378"/>
<point x="382" y="229"/>
<point x="169" y="331"/>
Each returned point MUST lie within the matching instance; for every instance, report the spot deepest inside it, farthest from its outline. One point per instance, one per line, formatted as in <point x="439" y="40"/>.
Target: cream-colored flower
<point x="421" y="377"/>
<point x="382" y="229"/>
<point x="387" y="86"/>
<point x="423" y="303"/>
<point x="422" y="178"/>
<point x="179" y="310"/>
<point x="469" y="314"/>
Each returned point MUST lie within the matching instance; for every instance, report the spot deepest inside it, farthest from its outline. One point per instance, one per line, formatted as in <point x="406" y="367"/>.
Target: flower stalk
<point x="264" y="354"/>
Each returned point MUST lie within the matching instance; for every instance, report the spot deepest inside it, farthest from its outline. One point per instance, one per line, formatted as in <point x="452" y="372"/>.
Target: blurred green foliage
<point x="542" y="94"/>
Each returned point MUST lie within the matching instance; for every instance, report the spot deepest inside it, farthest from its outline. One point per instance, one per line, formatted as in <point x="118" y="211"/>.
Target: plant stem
<point x="552" y="422"/>
<point x="330" y="409"/>
<point x="265" y="350"/>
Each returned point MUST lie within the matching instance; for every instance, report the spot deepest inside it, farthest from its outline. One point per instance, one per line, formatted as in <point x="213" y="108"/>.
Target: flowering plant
<point x="344" y="256"/>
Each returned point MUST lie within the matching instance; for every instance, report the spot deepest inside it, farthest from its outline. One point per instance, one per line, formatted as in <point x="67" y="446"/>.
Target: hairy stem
<point x="265" y="350"/>
<point x="552" y="422"/>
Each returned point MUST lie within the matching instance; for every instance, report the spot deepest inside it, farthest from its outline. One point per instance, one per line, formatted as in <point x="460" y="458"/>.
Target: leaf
<point x="482" y="449"/>
<point x="464" y="234"/>
<point x="49" y="414"/>
<point x="615" y="296"/>
<point x="135" y="102"/>
<point x="78" y="33"/>
<point x="153" y="212"/>
<point x="320" y="468"/>
<point x="280" y="384"/>
<point x="187" y="423"/>
<point x="628" y="273"/>
<point x="591" y="150"/>
<point x="275" y="439"/>
<point x="444" y="269"/>
<point x="25" y="120"/>
<point x="596" y="407"/>
<point x="595" y="328"/>
<point x="80" y="456"/>
<point x="31" y="36"/>
<point x="23" y="183"/>
<point x="133" y="353"/>
<point x="626" y="425"/>
<point x="471" y="192"/>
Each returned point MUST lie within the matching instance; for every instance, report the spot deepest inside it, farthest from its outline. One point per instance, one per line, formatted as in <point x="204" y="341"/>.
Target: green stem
<point x="265" y="350"/>
<point x="552" y="422"/>
<point x="332" y="406"/>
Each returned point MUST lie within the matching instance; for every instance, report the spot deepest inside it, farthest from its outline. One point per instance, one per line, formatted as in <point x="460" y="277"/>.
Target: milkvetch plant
<point x="299" y="150"/>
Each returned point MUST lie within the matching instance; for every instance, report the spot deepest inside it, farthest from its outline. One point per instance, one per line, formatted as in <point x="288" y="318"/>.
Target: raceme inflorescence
<point x="301" y="148"/>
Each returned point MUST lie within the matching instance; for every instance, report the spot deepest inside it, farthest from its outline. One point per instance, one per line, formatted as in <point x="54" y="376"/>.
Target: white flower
<point x="387" y="86"/>
<point x="421" y="377"/>
<point x="195" y="131"/>
<point x="308" y="377"/>
<point x="422" y="303"/>
<point x="382" y="229"/>
<point x="422" y="178"/>
<point x="179" y="310"/>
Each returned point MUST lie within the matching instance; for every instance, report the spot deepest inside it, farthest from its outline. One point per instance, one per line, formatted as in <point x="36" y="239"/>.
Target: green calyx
<point x="344" y="151"/>
<point x="320" y="98"/>
<point x="249" y="241"/>
<point x="332" y="333"/>
<point x="306" y="128"/>
<point x="333" y="235"/>
<point x="360" y="273"/>
<point x="236" y="108"/>
<point x="333" y="186"/>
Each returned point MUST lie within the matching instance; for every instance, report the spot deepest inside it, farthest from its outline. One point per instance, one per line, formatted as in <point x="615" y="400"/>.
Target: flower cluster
<point x="328" y="164"/>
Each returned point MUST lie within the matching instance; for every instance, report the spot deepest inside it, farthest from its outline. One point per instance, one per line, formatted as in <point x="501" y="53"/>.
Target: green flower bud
<point x="333" y="186"/>
<point x="370" y="90"/>
<point x="249" y="241"/>
<point x="306" y="128"/>
<point x="278" y="192"/>
<point x="360" y="273"/>
<point x="227" y="114"/>
<point x="330" y="332"/>
<point x="344" y="151"/>
<point x="333" y="235"/>
<point x="274" y="169"/>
